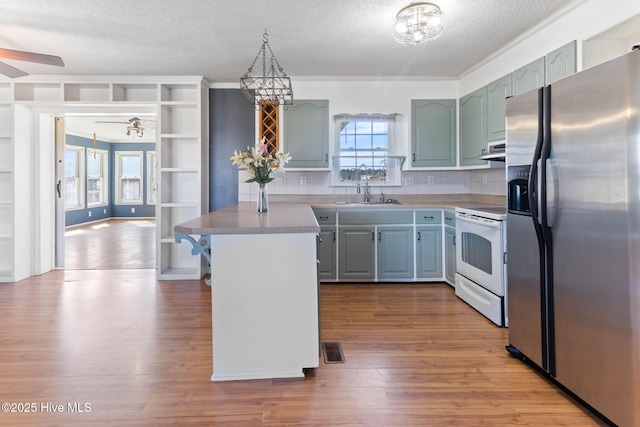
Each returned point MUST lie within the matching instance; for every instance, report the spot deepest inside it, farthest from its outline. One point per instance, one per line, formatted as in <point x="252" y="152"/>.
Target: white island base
<point x="264" y="293"/>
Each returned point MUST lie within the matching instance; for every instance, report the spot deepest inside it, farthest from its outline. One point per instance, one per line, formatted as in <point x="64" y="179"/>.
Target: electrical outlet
<point x="279" y="181"/>
<point x="133" y="210"/>
<point x="89" y="214"/>
<point x="431" y="179"/>
<point x="409" y="180"/>
<point x="304" y="180"/>
<point x="485" y="180"/>
<point x="105" y="211"/>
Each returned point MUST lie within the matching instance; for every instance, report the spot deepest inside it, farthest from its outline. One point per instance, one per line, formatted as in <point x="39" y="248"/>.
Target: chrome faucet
<point x="362" y="168"/>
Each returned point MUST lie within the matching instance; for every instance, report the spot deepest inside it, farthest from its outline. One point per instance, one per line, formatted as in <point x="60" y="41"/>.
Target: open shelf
<point x="135" y="92"/>
<point x="92" y="92"/>
<point x="38" y="92"/>
<point x="6" y="92"/>
<point x="188" y="93"/>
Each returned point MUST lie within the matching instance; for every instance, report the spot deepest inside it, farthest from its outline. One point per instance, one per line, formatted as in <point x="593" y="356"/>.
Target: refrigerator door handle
<point x="539" y="190"/>
<point x="551" y="186"/>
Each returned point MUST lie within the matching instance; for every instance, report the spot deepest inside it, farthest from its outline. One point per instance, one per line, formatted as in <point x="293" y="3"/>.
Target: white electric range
<point x="481" y="260"/>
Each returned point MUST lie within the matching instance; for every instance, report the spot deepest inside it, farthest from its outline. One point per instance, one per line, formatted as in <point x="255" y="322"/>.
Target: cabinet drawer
<point x="429" y="216"/>
<point x="375" y="216"/>
<point x="325" y="216"/>
<point x="450" y="218"/>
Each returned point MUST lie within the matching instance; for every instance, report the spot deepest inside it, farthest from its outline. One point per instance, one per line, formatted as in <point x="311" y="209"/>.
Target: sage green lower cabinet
<point x="450" y="255"/>
<point x="395" y="252"/>
<point x="327" y="252"/>
<point x="357" y="252"/>
<point x="429" y="252"/>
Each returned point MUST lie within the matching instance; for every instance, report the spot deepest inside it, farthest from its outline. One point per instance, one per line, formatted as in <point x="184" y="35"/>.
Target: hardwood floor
<point x="111" y="245"/>
<point x="139" y="352"/>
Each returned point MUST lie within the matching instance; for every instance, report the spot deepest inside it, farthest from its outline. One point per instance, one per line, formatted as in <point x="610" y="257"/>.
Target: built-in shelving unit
<point x="6" y="182"/>
<point x="182" y="130"/>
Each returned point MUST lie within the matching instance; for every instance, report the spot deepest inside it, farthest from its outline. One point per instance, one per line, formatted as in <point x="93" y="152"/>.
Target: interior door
<point x="59" y="189"/>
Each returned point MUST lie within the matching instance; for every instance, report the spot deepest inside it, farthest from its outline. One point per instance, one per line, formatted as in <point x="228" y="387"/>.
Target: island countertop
<point x="243" y="218"/>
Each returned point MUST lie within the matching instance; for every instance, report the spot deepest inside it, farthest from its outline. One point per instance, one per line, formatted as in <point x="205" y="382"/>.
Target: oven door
<point x="480" y="252"/>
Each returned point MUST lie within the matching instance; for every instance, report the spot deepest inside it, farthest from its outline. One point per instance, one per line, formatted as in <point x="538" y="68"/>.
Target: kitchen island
<point x="264" y="289"/>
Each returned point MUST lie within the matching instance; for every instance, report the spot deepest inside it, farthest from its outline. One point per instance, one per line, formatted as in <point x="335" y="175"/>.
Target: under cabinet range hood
<point x="496" y="151"/>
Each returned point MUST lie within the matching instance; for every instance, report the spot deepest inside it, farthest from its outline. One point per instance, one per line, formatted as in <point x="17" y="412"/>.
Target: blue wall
<point x="232" y="127"/>
<point x="79" y="216"/>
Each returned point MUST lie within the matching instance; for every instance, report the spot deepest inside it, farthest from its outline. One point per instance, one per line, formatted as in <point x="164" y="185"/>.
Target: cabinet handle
<point x="428" y="217"/>
<point x="323" y="218"/>
<point x="334" y="236"/>
<point x="326" y="158"/>
<point x="379" y="236"/>
<point x="373" y="236"/>
<point x="58" y="189"/>
<point x="413" y="157"/>
<point x="454" y="240"/>
<point x="418" y="236"/>
<point x="448" y="217"/>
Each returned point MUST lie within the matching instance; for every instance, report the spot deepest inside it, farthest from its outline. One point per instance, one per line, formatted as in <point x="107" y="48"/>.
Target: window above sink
<point x="364" y="147"/>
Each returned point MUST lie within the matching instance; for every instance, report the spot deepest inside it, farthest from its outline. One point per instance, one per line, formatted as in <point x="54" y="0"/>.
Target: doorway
<point x="105" y="210"/>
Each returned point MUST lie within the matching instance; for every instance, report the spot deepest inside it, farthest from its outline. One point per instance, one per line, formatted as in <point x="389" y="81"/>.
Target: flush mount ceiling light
<point x="273" y="86"/>
<point x="418" y="23"/>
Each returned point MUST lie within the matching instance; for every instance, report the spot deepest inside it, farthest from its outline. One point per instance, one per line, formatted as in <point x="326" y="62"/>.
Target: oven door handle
<point x="483" y="222"/>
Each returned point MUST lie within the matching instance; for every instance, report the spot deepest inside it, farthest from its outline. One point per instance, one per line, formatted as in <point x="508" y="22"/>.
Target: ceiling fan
<point x="134" y="128"/>
<point x="21" y="55"/>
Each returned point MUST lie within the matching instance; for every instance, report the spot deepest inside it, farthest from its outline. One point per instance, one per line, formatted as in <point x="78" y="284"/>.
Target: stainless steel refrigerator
<point x="573" y="234"/>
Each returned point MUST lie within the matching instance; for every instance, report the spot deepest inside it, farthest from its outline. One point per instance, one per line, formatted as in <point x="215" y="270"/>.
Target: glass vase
<point x="263" y="199"/>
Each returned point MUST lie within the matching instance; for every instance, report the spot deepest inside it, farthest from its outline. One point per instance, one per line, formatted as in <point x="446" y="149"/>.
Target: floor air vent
<point x="332" y="352"/>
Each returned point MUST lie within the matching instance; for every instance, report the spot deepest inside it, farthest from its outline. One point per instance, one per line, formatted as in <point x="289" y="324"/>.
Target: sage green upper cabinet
<point x="433" y="132"/>
<point x="473" y="127"/>
<point x="561" y="62"/>
<point x="306" y="133"/>
<point x="531" y="76"/>
<point x="497" y="92"/>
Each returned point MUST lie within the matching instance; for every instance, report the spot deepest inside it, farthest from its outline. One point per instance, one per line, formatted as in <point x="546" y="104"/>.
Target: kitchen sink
<point x="368" y="203"/>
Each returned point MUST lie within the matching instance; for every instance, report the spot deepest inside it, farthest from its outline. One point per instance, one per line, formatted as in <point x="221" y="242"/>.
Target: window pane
<point x="130" y="189"/>
<point x="130" y="166"/>
<point x="363" y="147"/>
<point x="94" y="166"/>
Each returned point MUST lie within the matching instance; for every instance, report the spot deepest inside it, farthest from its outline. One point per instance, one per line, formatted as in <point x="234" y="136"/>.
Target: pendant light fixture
<point x="273" y="86"/>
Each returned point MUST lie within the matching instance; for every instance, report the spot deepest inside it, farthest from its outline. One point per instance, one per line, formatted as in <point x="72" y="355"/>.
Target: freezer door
<point x="595" y="159"/>
<point x="523" y="265"/>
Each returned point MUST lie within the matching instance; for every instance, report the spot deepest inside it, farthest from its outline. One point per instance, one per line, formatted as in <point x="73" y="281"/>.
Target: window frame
<point x="152" y="177"/>
<point x="391" y="165"/>
<point x="103" y="179"/>
<point x="79" y="178"/>
<point x="118" y="172"/>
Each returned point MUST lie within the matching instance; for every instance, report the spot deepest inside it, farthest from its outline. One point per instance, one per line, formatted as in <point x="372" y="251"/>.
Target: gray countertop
<point x="243" y="218"/>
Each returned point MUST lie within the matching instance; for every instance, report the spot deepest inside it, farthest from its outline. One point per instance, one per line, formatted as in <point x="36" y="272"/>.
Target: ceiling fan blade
<point x="10" y="71"/>
<point x="40" y="58"/>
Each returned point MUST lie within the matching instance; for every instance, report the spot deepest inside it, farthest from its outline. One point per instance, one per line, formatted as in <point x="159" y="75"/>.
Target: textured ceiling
<point x="218" y="39"/>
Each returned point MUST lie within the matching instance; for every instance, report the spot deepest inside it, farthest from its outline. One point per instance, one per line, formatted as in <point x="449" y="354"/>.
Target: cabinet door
<point x="473" y="127"/>
<point x="450" y="254"/>
<point x="561" y="62"/>
<point x="497" y="92"/>
<point x="429" y="252"/>
<point x="531" y="76"/>
<point x="327" y="252"/>
<point x="395" y="252"/>
<point x="433" y="132"/>
<point x="357" y="252"/>
<point x="306" y="133"/>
